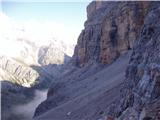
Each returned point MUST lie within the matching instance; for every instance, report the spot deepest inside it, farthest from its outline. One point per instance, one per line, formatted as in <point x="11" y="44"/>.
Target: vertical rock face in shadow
<point x="141" y="94"/>
<point x="110" y="30"/>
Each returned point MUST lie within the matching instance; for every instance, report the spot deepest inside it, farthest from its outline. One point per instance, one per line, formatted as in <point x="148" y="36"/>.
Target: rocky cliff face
<point x="111" y="30"/>
<point x="143" y="73"/>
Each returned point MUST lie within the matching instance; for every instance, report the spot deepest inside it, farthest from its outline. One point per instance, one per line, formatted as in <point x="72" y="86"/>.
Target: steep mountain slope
<point x="73" y="95"/>
<point x="94" y="85"/>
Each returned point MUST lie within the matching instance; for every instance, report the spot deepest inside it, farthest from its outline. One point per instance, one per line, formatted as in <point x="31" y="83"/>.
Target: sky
<point x="62" y="19"/>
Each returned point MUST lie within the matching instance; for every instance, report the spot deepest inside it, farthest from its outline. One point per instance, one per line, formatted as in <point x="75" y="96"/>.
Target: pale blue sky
<point x="67" y="17"/>
<point x="66" y="12"/>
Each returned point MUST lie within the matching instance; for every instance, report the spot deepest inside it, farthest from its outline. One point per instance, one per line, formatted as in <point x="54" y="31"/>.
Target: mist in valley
<point x="26" y="111"/>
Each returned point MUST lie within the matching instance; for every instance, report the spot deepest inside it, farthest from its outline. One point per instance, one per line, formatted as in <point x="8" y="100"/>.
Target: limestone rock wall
<point x="141" y="92"/>
<point x="110" y="30"/>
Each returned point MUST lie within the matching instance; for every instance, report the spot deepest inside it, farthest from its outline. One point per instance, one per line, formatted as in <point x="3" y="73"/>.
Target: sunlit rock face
<point x="16" y="57"/>
<point x="17" y="72"/>
<point x="16" y="65"/>
<point x="53" y="54"/>
<point x="21" y="55"/>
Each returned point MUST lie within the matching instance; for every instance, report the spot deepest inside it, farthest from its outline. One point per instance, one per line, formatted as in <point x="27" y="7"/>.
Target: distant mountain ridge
<point x="27" y="53"/>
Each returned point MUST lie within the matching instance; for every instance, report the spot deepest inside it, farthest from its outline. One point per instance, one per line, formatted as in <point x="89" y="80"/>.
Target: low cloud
<point x="27" y="110"/>
<point x="39" y="32"/>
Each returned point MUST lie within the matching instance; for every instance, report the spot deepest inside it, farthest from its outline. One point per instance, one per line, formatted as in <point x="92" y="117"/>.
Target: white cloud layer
<point x="40" y="32"/>
<point x="12" y="35"/>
